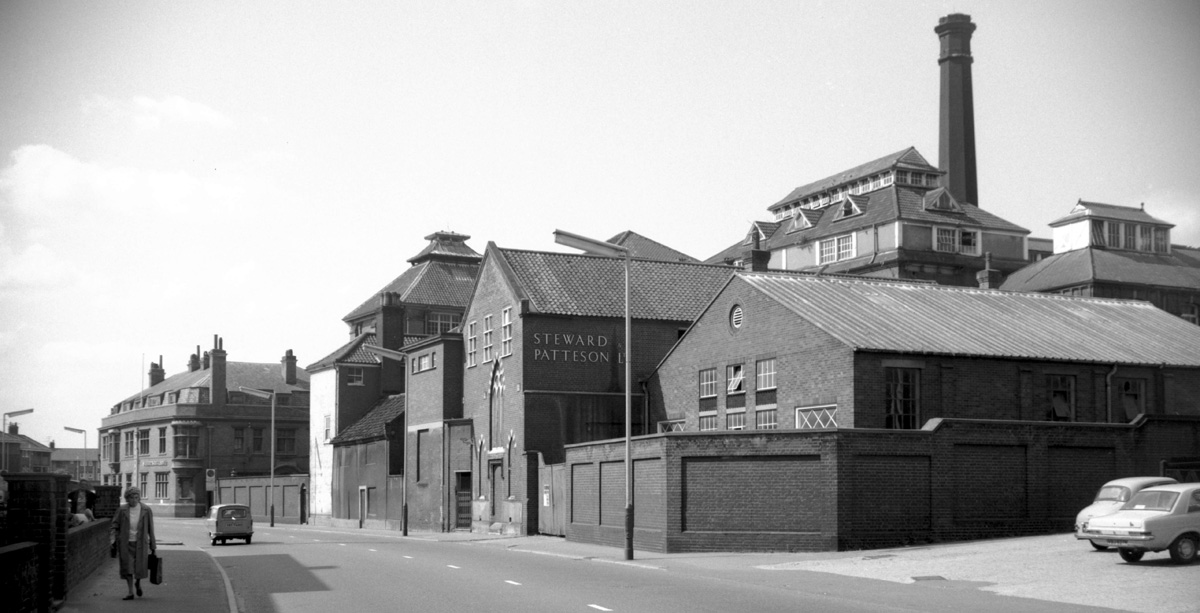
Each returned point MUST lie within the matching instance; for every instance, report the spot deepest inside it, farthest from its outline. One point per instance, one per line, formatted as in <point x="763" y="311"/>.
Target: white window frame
<point x="735" y="379"/>
<point x="506" y="332"/>
<point x="354" y="375"/>
<point x="472" y="344"/>
<point x="708" y="384"/>
<point x="764" y="379"/>
<point x="487" y="339"/>
<point x="954" y="238"/>
<point x="824" y="416"/>
<point x="707" y="418"/>
<point x="837" y="248"/>
<point x="760" y="415"/>
<point x="735" y="419"/>
<point x="440" y="322"/>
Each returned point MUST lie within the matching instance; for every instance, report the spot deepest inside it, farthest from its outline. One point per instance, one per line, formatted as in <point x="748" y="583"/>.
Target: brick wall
<point x="87" y="548"/>
<point x="862" y="488"/>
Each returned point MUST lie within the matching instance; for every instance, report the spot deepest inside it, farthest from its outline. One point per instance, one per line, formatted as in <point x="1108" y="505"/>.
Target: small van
<point x="229" y="521"/>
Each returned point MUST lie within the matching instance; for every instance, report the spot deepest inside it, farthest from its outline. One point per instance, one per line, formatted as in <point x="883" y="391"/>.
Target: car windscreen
<point x="1151" y="501"/>
<point x="1113" y="493"/>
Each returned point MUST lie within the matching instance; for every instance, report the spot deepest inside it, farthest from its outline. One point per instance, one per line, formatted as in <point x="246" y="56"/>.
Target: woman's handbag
<point x="155" y="564"/>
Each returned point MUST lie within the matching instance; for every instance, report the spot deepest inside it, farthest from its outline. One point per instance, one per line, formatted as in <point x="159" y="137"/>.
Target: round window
<point x="735" y="316"/>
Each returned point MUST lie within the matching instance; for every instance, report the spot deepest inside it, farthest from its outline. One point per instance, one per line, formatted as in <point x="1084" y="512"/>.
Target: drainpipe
<point x="1108" y="392"/>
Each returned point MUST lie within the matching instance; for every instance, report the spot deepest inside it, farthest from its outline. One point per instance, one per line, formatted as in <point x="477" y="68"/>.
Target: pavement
<point x="1054" y="568"/>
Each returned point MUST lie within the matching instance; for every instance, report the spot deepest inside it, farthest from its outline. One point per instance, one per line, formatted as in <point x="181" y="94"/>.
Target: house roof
<point x="25" y="442"/>
<point x="644" y="248"/>
<point x="908" y="158"/>
<point x="875" y="315"/>
<point x="1178" y="269"/>
<point x="447" y="246"/>
<point x="350" y="353"/>
<point x="1099" y="210"/>
<point x="442" y="274"/>
<point x="254" y="375"/>
<point x="73" y="454"/>
<point x="594" y="286"/>
<point x="373" y="425"/>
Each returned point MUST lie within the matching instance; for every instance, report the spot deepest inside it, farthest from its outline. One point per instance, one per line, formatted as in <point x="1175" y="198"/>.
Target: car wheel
<point x="214" y="542"/>
<point x="1183" y="550"/>
<point x="1131" y="555"/>
<point x="1098" y="546"/>
<point x="248" y="540"/>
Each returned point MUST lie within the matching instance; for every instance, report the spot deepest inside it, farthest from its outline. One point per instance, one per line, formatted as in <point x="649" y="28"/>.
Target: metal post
<point x="628" y="422"/>
<point x="272" y="488"/>
<point x="404" y="445"/>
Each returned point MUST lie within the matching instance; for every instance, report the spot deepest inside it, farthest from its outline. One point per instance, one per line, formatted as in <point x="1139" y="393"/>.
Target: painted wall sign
<point x="593" y="348"/>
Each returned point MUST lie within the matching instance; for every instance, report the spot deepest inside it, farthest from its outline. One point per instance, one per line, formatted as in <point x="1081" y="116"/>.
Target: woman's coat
<point x="145" y="541"/>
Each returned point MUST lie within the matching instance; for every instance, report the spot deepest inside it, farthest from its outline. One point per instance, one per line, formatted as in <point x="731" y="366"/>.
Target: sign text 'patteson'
<point x="580" y="348"/>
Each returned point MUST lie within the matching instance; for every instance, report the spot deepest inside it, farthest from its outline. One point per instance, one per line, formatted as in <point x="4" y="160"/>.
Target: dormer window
<point x="956" y="240"/>
<point x="941" y="200"/>
<point x="847" y="209"/>
<point x="800" y="221"/>
<point x="1131" y="236"/>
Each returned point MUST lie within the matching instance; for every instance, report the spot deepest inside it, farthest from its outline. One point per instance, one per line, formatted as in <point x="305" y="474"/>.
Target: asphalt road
<point x="302" y="568"/>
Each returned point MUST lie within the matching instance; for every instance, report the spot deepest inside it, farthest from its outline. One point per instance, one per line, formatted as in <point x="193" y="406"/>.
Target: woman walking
<point x="133" y="538"/>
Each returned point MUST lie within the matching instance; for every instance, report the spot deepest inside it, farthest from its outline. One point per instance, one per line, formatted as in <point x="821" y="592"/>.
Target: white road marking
<point x="598" y="607"/>
<point x="370" y="550"/>
<point x="341" y="544"/>
<point x="407" y="557"/>
<point x="511" y="582"/>
<point x="451" y="566"/>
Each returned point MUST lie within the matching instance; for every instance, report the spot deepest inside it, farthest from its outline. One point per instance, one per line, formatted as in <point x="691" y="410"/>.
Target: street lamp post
<point x="271" y="395"/>
<point x="4" y="428"/>
<point x="593" y="246"/>
<point x="79" y="473"/>
<point x="400" y="356"/>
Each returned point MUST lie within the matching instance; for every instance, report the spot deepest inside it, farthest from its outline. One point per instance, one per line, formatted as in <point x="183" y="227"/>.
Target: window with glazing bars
<point x="902" y="397"/>
<point x="708" y="382"/>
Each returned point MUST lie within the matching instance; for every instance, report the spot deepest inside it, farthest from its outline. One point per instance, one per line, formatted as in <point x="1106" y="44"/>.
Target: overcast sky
<point x="174" y="170"/>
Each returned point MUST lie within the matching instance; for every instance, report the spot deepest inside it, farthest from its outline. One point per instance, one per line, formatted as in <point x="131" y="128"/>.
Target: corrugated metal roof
<point x="373" y="425"/>
<point x="593" y="286"/>
<point x="907" y="318"/>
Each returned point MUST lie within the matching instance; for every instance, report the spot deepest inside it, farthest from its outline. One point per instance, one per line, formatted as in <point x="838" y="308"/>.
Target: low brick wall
<point x="19" y="566"/>
<point x="87" y="547"/>
<point x="789" y="490"/>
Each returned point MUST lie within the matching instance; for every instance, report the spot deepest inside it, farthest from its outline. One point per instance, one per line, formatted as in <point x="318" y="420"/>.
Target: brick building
<point x="543" y="340"/>
<point x="350" y="383"/>
<point x="898" y="216"/>
<point x="171" y="437"/>
<point x="1110" y="251"/>
<point x="825" y="412"/>
<point x="78" y="462"/>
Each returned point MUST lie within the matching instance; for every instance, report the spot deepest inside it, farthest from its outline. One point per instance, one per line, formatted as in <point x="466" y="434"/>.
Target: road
<point x="296" y="569"/>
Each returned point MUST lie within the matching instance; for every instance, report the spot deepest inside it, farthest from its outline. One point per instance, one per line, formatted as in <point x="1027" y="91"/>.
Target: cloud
<point x="36" y="267"/>
<point x="147" y="113"/>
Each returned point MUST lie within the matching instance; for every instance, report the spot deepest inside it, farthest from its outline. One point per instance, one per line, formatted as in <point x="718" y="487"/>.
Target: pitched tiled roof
<point x="434" y="283"/>
<point x="446" y="245"/>
<point x="1099" y="210"/>
<point x="373" y="425"/>
<point x="593" y="286"/>
<point x="350" y="353"/>
<point x="1179" y="269"/>
<point x="73" y="454"/>
<point x="644" y="248"/>
<point x="876" y="315"/>
<point x="907" y="158"/>
<point x="254" y="375"/>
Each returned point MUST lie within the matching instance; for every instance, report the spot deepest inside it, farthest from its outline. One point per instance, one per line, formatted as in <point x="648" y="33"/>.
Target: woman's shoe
<point x="129" y="597"/>
<point x="139" y="589"/>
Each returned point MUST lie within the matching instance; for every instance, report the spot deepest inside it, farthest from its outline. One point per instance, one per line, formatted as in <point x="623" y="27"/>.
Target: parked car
<point x="1154" y="519"/>
<point x="229" y="521"/>
<point x="1111" y="497"/>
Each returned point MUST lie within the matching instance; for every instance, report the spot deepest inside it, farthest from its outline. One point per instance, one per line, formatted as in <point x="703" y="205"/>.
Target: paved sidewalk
<point x="192" y="583"/>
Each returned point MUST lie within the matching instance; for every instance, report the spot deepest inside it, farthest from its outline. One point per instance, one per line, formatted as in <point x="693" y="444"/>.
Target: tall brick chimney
<point x="956" y="136"/>
<point x="217" y="391"/>
<point x="289" y="368"/>
<point x="157" y="374"/>
<point x="389" y="334"/>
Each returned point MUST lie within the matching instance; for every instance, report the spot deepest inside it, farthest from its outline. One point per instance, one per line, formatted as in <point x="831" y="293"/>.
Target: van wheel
<point x="1098" y="546"/>
<point x="248" y="540"/>
<point x="1183" y="550"/>
<point x="214" y="542"/>
<point x="1130" y="555"/>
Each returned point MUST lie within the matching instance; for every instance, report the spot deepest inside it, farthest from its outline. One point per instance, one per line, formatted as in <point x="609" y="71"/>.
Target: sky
<point x="171" y="171"/>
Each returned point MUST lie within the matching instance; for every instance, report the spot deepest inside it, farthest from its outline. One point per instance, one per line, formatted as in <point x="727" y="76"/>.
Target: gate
<point x="552" y="498"/>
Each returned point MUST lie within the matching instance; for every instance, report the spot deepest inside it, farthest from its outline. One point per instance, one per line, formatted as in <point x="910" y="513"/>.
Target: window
<point x="916" y="178"/>
<point x="471" y="347"/>
<point x="816" y="418"/>
<point x="735" y="421"/>
<point x="442" y="322"/>
<point x="901" y="397"/>
<point x="187" y="442"/>
<point x="736" y="382"/>
<point x="160" y="485"/>
<point x="1062" y="397"/>
<point x="285" y="442"/>
<point x="185" y="487"/>
<point x="506" y="332"/>
<point x="424" y="362"/>
<point x="765" y="374"/>
<point x="239" y="438"/>
<point x="765" y="418"/>
<point x="836" y="249"/>
<point x="143" y="443"/>
<point x="256" y="440"/>
<point x="1133" y="397"/>
<point x="487" y="338"/>
<point x="708" y="422"/>
<point x="1160" y="240"/>
<point x="1131" y="236"/>
<point x="708" y="382"/>
<point x="354" y="375"/>
<point x="676" y="425"/>
<point x="162" y="441"/>
<point x="955" y="240"/>
<point x="1114" y="234"/>
<point x="142" y="482"/>
<point x="736" y="316"/>
<point x="328" y="421"/>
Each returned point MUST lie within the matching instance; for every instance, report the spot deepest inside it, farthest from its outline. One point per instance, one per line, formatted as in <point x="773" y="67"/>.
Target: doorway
<point x="462" y="500"/>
